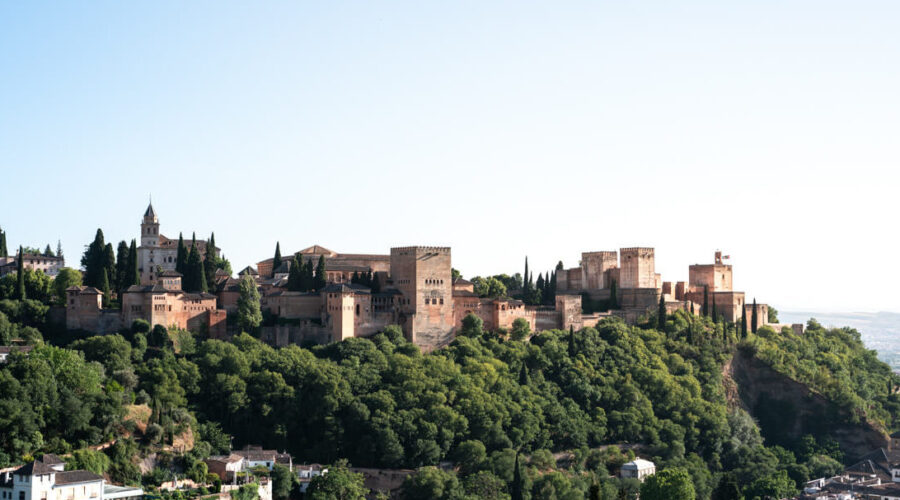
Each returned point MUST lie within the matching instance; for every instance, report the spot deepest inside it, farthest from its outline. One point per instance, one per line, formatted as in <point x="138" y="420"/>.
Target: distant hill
<point x="879" y="331"/>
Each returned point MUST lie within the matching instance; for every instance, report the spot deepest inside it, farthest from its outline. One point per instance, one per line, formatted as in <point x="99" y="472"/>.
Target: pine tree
<point x="20" y="276"/>
<point x="181" y="257"/>
<point x="123" y="261"/>
<point x="104" y="287"/>
<point x="4" y="252"/>
<point x="276" y="261"/>
<point x="754" y="320"/>
<point x="661" y="315"/>
<point x="134" y="276"/>
<point x="516" y="489"/>
<point x="295" y="275"/>
<point x="209" y="261"/>
<point x="320" y="279"/>
<point x="48" y="251"/>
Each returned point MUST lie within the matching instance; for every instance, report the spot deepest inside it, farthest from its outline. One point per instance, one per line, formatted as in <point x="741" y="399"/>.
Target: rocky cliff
<point x="787" y="409"/>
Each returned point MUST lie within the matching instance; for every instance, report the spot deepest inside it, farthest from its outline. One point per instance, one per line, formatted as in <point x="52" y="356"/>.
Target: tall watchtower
<point x="423" y="277"/>
<point x="638" y="268"/>
<point x="150" y="228"/>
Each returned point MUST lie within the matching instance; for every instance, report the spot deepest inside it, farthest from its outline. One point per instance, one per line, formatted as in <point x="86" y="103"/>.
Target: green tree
<point x="517" y="488"/>
<point x="661" y="314"/>
<point x="469" y="455"/>
<point x="472" y="326"/>
<point x="340" y="483"/>
<point x="770" y="487"/>
<point x="134" y="276"/>
<point x="489" y="287"/>
<point x="670" y="484"/>
<point x="4" y="251"/>
<point x="48" y="251"/>
<point x="520" y="329"/>
<point x="706" y="301"/>
<point x="307" y="278"/>
<point x="20" y="276"/>
<point x="249" y="491"/>
<point x="283" y="482"/>
<point x="431" y="483"/>
<point x="613" y="295"/>
<point x="743" y="326"/>
<point x="209" y="262"/>
<point x="754" y="319"/>
<point x="276" y="261"/>
<point x="195" y="278"/>
<point x="123" y="279"/>
<point x="249" y="316"/>
<point x="109" y="265"/>
<point x="65" y="278"/>
<point x="295" y="275"/>
<point x="727" y="489"/>
<point x="90" y="460"/>
<point x="773" y="315"/>
<point x="320" y="278"/>
<point x="181" y="257"/>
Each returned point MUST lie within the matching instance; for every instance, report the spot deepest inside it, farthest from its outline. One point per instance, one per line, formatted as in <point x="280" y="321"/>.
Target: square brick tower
<point x="423" y="277"/>
<point x="594" y="267"/>
<point x="638" y="268"/>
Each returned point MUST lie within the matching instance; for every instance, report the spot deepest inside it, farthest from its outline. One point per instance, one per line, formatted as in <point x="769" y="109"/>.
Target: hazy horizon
<point x="500" y="129"/>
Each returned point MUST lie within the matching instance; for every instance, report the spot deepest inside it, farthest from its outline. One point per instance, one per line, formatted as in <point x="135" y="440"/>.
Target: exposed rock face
<point x="787" y="409"/>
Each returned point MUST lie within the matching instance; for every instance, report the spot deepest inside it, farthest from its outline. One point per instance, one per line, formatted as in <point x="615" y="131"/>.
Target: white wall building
<point x="47" y="479"/>
<point x="637" y="469"/>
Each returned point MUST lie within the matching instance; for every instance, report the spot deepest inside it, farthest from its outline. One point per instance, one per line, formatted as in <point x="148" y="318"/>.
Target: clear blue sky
<point x="768" y="129"/>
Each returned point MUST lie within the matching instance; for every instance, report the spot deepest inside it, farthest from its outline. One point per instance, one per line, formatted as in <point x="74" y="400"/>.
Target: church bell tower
<point x="150" y="228"/>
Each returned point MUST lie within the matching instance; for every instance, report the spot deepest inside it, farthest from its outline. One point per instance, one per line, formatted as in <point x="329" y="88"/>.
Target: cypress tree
<point x="123" y="263"/>
<point x="754" y="321"/>
<point x="661" y="316"/>
<point x="104" y="287"/>
<point x="524" y="379"/>
<point x="376" y="285"/>
<point x="4" y="252"/>
<point x="109" y="264"/>
<point x="20" y="276"/>
<point x="93" y="260"/>
<point x="182" y="256"/>
<point x="743" y="326"/>
<point x="706" y="301"/>
<point x="613" y="295"/>
<point x="540" y="283"/>
<point x="525" y="286"/>
<point x="295" y="275"/>
<point x="321" y="275"/>
<point x="48" y="251"/>
<point x="195" y="279"/>
<point x="308" y="279"/>
<point x="516" y="488"/>
<point x="59" y="252"/>
<point x="715" y="312"/>
<point x="134" y="276"/>
<point x="209" y="261"/>
<point x="276" y="261"/>
<point x="572" y="350"/>
<point x="354" y="278"/>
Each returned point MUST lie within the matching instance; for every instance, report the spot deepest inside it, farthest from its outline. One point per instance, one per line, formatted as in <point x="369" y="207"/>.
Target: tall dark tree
<point x="572" y="348"/>
<point x="109" y="264"/>
<point x="93" y="261"/>
<point x="754" y="320"/>
<point x="320" y="278"/>
<point x="661" y="315"/>
<point x="706" y="301"/>
<point x="48" y="251"/>
<point x="209" y="261"/>
<point x="715" y="311"/>
<point x="59" y="251"/>
<point x="525" y="285"/>
<point x="614" y="295"/>
<point x="295" y="275"/>
<point x="4" y="252"/>
<point x="123" y="269"/>
<point x="517" y="488"/>
<point x="308" y="279"/>
<point x="539" y="285"/>
<point x="134" y="276"/>
<point x="104" y="287"/>
<point x="276" y="261"/>
<point x="728" y="488"/>
<point x="743" y="326"/>
<point x="524" y="379"/>
<point x="182" y="256"/>
<point x="376" y="284"/>
<point x="194" y="278"/>
<point x="20" y="275"/>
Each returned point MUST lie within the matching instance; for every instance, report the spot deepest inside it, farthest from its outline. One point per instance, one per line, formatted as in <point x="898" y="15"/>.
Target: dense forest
<point x="569" y="406"/>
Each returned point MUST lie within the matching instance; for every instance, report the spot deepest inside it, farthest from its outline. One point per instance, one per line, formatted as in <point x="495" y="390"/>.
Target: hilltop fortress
<point x="411" y="286"/>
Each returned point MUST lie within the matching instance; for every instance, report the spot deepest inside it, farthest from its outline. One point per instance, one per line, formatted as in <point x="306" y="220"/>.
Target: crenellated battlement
<point x="633" y="250"/>
<point x="420" y="250"/>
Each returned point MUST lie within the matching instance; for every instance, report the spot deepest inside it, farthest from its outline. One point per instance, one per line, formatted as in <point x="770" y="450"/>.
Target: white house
<point x="306" y="473"/>
<point x="638" y="469"/>
<point x="47" y="479"/>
